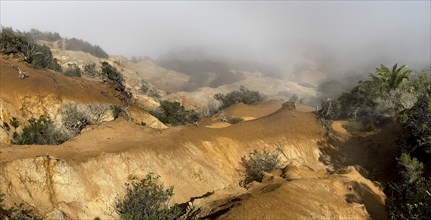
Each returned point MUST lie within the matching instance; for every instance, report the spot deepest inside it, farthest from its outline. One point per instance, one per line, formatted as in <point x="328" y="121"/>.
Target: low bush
<point x="73" y="71"/>
<point x="175" y="114"/>
<point x="257" y="163"/>
<point x="39" y="131"/>
<point x="242" y="96"/>
<point x="147" y="199"/>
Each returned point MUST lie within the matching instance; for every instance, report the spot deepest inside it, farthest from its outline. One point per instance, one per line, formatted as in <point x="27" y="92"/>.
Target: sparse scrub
<point x="73" y="71"/>
<point x="174" y="113"/>
<point x="149" y="90"/>
<point x="90" y="70"/>
<point x="147" y="199"/>
<point x="73" y="120"/>
<point x="257" y="163"/>
<point x="242" y="96"/>
<point x="328" y="111"/>
<point x="39" y="131"/>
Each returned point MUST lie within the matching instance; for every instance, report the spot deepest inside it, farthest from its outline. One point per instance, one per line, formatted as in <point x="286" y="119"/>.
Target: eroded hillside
<point x="83" y="177"/>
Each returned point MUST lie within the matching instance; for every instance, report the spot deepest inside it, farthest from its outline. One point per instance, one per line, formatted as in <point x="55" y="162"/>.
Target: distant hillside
<point x="203" y="72"/>
<point x="74" y="44"/>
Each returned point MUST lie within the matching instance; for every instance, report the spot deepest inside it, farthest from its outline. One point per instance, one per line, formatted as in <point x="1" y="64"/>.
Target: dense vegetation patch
<point x="242" y="96"/>
<point x="175" y="114"/>
<point x="147" y="199"/>
<point x="395" y="95"/>
<point x="410" y="197"/>
<point x="37" y="55"/>
<point x="39" y="131"/>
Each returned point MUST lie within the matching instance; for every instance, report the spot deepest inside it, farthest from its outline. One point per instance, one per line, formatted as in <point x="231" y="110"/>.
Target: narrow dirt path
<point x="373" y="151"/>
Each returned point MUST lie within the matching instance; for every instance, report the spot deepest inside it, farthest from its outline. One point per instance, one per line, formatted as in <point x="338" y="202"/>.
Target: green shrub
<point x="147" y="199"/>
<point x="417" y="122"/>
<point x="39" y="131"/>
<point x="234" y="120"/>
<point x="111" y="75"/>
<point x="382" y="98"/>
<point x="258" y="163"/>
<point x="14" y="122"/>
<point x="242" y="96"/>
<point x="410" y="198"/>
<point x="174" y="113"/>
<point x="354" y="125"/>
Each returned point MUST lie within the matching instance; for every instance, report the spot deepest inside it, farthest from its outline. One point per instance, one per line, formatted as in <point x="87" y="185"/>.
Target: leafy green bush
<point x="15" y="123"/>
<point x="357" y="126"/>
<point x="242" y="96"/>
<point x="147" y="199"/>
<point x="410" y="198"/>
<point x="174" y="113"/>
<point x="258" y="163"/>
<point x="38" y="56"/>
<point x="39" y="131"/>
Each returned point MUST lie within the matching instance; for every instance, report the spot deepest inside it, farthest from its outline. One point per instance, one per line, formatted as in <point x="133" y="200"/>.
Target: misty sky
<point x="282" y="33"/>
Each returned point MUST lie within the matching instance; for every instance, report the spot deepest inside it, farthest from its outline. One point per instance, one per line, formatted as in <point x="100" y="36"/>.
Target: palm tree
<point x="390" y="80"/>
